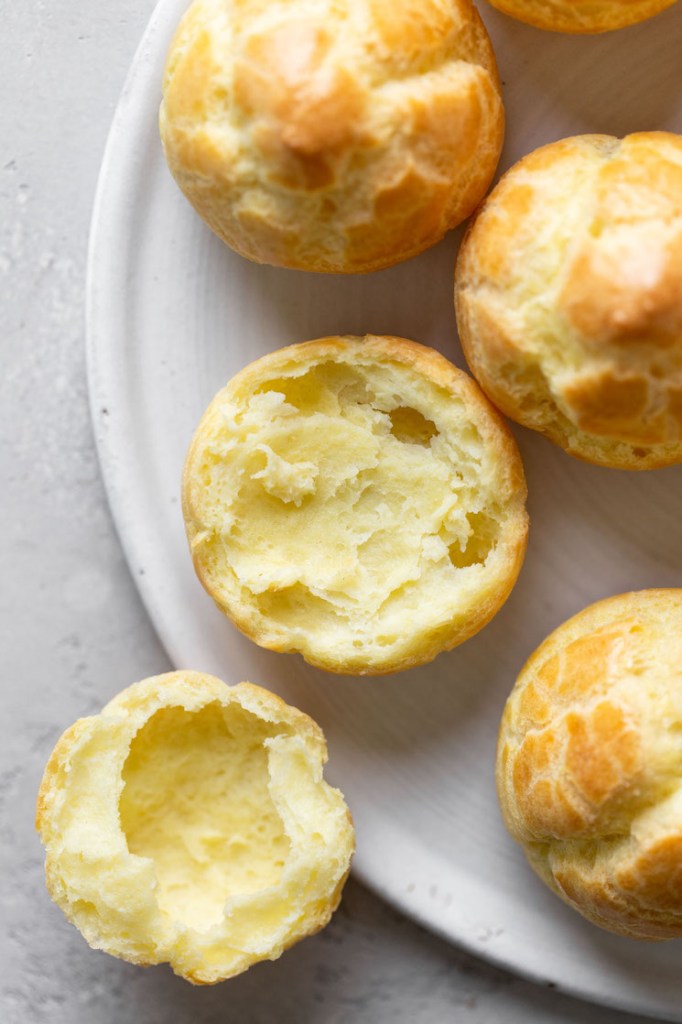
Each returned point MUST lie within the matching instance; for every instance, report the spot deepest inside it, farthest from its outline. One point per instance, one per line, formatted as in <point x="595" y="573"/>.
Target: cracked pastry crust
<point x="581" y="16"/>
<point x="589" y="763"/>
<point x="356" y="500"/>
<point x="189" y="823"/>
<point x="332" y="135"/>
<point x="568" y="292"/>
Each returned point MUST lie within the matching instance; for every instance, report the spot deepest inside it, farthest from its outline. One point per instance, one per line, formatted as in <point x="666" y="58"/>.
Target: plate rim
<point x="99" y="297"/>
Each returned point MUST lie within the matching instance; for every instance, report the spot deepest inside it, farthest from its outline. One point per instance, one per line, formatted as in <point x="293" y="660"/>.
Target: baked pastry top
<point x="331" y="135"/>
<point x="189" y="823"/>
<point x="356" y="500"/>
<point x="581" y="16"/>
<point x="589" y="759"/>
<point x="569" y="297"/>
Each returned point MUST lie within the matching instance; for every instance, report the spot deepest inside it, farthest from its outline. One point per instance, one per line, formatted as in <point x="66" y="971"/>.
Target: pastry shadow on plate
<point x="614" y="83"/>
<point x="403" y="713"/>
<point x="574" y="933"/>
<point x="173" y="999"/>
<point x="614" y="952"/>
<point x="412" y="299"/>
<point x="631" y="518"/>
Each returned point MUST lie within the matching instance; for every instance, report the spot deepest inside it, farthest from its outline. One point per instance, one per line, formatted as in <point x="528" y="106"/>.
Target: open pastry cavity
<point x="333" y="500"/>
<point x="190" y="823"/>
<point x="196" y="801"/>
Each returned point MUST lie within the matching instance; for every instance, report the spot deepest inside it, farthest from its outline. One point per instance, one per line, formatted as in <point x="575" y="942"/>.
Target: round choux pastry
<point x="568" y="292"/>
<point x="581" y="17"/>
<point x="340" y="136"/>
<point x="189" y="823"/>
<point x="589" y="763"/>
<point x="356" y="500"/>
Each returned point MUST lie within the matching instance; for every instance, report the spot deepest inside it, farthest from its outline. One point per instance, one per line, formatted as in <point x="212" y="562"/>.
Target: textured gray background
<point x="72" y="626"/>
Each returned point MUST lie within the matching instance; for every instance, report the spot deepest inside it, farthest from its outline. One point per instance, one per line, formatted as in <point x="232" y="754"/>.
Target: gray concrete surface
<point x="72" y="626"/>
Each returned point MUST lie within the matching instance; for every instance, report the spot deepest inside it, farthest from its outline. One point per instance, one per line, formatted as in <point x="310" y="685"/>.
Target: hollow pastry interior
<point x="568" y="298"/>
<point x="190" y="823"/>
<point x="212" y="832"/>
<point x="356" y="500"/>
<point x="589" y="767"/>
<point x="582" y="16"/>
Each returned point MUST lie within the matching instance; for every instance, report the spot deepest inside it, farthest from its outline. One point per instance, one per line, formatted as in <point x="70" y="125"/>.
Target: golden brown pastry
<point x="581" y="16"/>
<point x="189" y="823"/>
<point x="342" y="136"/>
<point x="356" y="500"/>
<point x="589" y="763"/>
<point x="569" y="297"/>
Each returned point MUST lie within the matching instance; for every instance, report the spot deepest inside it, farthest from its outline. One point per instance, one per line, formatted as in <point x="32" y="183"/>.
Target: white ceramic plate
<point x="173" y="314"/>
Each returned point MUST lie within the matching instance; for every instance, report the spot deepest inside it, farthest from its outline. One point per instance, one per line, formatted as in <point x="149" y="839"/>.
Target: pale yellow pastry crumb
<point x="189" y="823"/>
<point x="356" y="500"/>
